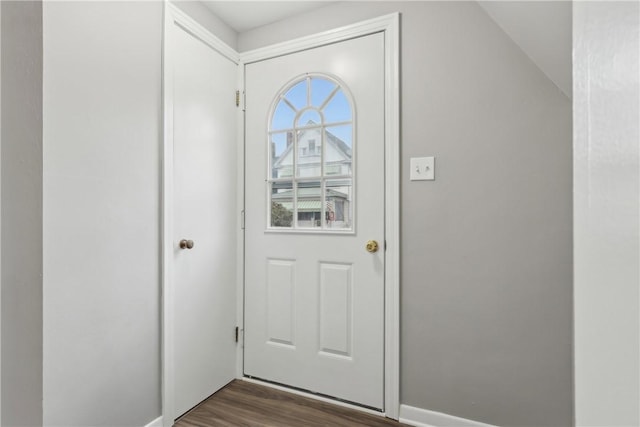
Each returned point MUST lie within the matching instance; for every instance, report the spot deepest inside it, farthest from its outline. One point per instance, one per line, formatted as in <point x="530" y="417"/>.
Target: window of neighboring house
<point x="315" y="194"/>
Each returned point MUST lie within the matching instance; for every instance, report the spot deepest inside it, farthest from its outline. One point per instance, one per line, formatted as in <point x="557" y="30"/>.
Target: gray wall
<point x="486" y="307"/>
<point x="607" y="207"/>
<point x="102" y="133"/>
<point x="21" y="213"/>
<point x="487" y="247"/>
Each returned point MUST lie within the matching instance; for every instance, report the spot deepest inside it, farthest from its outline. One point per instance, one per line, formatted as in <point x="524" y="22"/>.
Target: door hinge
<point x="237" y="333"/>
<point x="237" y="98"/>
<point x="242" y="219"/>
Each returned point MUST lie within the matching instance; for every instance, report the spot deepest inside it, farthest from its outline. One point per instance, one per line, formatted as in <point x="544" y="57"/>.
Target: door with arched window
<point x="314" y="275"/>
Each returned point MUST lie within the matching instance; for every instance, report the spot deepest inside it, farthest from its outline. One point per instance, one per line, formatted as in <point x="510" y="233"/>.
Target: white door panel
<point x="314" y="300"/>
<point x="204" y="184"/>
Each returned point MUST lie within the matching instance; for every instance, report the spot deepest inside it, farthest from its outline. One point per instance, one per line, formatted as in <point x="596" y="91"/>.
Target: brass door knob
<point x="186" y="244"/>
<point x="372" y="246"/>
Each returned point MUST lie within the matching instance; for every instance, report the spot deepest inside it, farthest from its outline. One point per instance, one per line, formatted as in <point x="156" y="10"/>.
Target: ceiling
<point x="246" y="15"/>
<point x="542" y="29"/>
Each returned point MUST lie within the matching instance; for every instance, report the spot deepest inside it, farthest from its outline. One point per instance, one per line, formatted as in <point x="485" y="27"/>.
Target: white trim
<point x="315" y="397"/>
<point x="390" y="25"/>
<point x="392" y="217"/>
<point x="0" y="227"/>
<point x="168" y="382"/>
<point x="181" y="19"/>
<point x="173" y="17"/>
<point x="425" y="418"/>
<point x="382" y="23"/>
<point x="240" y="239"/>
<point x="155" y="423"/>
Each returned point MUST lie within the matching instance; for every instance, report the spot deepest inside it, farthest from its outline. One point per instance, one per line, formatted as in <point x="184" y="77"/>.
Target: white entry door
<point x="314" y="287"/>
<point x="204" y="219"/>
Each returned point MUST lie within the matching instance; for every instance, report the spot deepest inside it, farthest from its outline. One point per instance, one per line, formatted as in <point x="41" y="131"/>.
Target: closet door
<point x="203" y="218"/>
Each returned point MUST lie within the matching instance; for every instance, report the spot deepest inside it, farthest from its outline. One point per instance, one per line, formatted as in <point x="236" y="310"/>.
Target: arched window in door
<point x="311" y="156"/>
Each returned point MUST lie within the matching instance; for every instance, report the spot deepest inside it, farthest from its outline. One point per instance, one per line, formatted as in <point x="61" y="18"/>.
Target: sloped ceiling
<point x="542" y="29"/>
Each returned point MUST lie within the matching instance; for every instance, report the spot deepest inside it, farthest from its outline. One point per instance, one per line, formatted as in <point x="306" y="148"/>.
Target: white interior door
<point x="204" y="212"/>
<point x="314" y="295"/>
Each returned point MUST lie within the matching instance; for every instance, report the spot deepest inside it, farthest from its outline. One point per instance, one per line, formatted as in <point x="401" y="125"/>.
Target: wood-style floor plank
<point x="244" y="404"/>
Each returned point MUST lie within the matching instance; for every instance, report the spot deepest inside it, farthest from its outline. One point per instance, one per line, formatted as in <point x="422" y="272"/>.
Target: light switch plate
<point x="422" y="169"/>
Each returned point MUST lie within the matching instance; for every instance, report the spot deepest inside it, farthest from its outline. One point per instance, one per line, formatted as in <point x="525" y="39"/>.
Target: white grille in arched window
<point x="311" y="156"/>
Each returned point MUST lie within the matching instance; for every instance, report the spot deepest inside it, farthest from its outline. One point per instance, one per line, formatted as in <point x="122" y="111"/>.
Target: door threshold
<point x="315" y="396"/>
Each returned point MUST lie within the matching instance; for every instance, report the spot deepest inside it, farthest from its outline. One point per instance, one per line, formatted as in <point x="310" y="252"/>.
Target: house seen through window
<point x="311" y="147"/>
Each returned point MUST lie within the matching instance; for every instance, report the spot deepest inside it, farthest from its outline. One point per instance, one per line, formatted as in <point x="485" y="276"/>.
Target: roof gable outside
<point x="310" y="146"/>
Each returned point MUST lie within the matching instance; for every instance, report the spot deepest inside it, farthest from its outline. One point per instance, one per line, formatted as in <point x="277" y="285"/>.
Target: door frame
<point x="174" y="17"/>
<point x="390" y="26"/>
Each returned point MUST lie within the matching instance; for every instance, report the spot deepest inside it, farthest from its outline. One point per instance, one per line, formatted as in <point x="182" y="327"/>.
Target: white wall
<point x="21" y="155"/>
<point x="102" y="127"/>
<point x="102" y="145"/>
<point x="606" y="212"/>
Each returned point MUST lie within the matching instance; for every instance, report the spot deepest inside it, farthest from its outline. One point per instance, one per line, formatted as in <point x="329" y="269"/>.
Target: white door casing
<point x="200" y="204"/>
<point x="315" y="302"/>
<point x="389" y="25"/>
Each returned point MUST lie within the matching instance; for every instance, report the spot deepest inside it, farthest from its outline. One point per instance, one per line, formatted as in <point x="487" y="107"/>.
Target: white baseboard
<point x="424" y="418"/>
<point x="155" y="423"/>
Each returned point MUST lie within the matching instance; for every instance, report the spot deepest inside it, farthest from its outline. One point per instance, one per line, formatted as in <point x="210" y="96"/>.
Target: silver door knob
<point x="186" y="244"/>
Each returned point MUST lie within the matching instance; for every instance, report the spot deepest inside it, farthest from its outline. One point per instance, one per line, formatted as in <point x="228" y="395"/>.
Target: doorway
<point x="292" y="207"/>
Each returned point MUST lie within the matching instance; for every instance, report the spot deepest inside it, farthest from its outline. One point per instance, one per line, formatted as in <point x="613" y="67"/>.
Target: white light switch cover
<point x="422" y="169"/>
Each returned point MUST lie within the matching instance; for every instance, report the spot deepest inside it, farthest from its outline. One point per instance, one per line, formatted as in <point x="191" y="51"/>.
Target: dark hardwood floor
<point x="241" y="403"/>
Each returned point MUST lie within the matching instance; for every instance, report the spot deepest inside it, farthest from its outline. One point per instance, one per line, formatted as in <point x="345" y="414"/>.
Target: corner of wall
<point x="21" y="212"/>
<point x="606" y="198"/>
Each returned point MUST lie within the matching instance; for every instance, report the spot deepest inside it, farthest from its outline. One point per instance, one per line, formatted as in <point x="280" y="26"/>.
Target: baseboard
<point x="155" y="423"/>
<point x="424" y="418"/>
